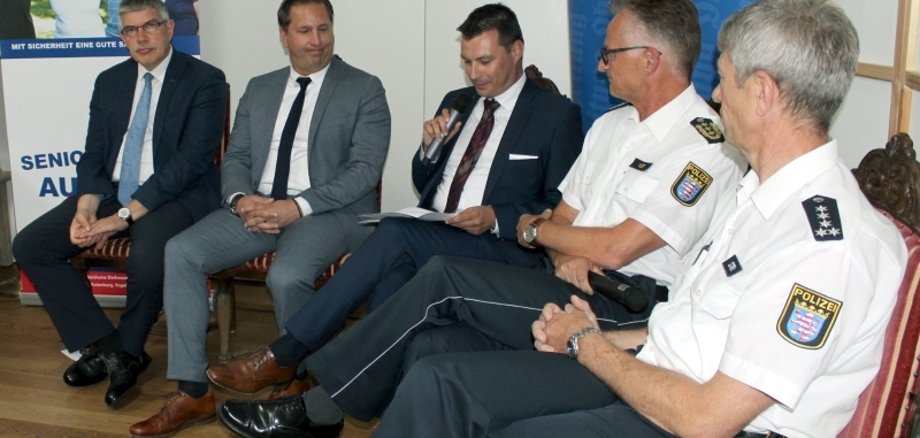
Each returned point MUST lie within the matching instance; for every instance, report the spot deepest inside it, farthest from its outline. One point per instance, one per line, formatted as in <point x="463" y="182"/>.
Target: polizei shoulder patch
<point x="807" y="318"/>
<point x="690" y="184"/>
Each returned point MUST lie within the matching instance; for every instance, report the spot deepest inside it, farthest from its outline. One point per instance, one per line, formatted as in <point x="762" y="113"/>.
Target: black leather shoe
<point x="123" y="371"/>
<point x="87" y="370"/>
<point x="283" y="417"/>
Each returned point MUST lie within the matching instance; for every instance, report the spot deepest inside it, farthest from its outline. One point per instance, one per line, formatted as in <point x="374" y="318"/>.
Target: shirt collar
<point x="315" y="79"/>
<point x="769" y="195"/>
<point x="158" y="72"/>
<point x="510" y="96"/>
<point x="661" y="121"/>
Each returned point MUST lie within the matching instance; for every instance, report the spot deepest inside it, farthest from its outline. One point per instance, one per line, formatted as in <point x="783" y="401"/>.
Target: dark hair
<point x="675" y="23"/>
<point x="284" y="11"/>
<point x="493" y="16"/>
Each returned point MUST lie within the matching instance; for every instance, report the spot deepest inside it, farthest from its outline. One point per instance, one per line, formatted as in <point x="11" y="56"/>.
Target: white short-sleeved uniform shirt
<point x="791" y="297"/>
<point x="666" y="172"/>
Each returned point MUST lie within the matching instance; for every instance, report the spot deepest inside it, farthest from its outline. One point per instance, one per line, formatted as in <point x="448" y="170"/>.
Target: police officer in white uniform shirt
<point x="775" y="328"/>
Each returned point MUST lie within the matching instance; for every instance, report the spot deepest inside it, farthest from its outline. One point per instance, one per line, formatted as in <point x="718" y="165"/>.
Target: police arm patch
<point x="708" y="129"/>
<point x="823" y="217"/>
<point x="690" y="184"/>
<point x="807" y="318"/>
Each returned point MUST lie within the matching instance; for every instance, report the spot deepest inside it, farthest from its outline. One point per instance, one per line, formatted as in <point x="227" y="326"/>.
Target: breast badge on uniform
<point x="690" y="185"/>
<point x="823" y="217"/>
<point x="808" y="317"/>
<point x="708" y="129"/>
<point x="640" y="165"/>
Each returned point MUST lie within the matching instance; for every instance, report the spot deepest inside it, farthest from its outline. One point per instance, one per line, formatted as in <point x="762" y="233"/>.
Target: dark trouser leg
<point x="43" y="250"/>
<point x="454" y="338"/>
<point x="616" y="420"/>
<point x="361" y="367"/>
<point x="384" y="263"/>
<point x="472" y="394"/>
<point x="145" y="272"/>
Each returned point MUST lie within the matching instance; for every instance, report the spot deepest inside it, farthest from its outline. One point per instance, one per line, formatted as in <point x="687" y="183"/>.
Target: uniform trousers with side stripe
<point x="483" y="306"/>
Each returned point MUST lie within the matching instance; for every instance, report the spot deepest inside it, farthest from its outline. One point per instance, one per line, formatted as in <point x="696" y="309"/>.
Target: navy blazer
<point x="544" y="125"/>
<point x="187" y="130"/>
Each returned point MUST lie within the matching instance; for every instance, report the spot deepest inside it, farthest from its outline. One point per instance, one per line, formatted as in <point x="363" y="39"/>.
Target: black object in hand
<point x="633" y="299"/>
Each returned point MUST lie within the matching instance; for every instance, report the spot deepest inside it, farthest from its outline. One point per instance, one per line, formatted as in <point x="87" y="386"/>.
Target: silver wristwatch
<point x="572" y="344"/>
<point x="530" y="233"/>
<point x="125" y="214"/>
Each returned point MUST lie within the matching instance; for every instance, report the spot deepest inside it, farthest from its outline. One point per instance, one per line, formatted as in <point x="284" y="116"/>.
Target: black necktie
<point x="471" y="155"/>
<point x="283" y="165"/>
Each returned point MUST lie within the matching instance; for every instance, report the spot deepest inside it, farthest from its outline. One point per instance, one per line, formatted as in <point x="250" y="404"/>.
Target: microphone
<point x="459" y="106"/>
<point x="634" y="300"/>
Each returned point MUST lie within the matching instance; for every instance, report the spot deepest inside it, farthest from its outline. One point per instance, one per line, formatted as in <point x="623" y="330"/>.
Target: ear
<point x="282" y="36"/>
<point x="652" y="58"/>
<point x="517" y="50"/>
<point x="766" y="92"/>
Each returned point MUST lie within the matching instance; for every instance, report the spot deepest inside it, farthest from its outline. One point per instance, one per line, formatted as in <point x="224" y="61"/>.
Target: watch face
<point x="124" y="213"/>
<point x="530" y="233"/>
<point x="571" y="348"/>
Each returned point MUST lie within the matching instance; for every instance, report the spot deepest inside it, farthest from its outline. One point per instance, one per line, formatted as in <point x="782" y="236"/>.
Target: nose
<point x="601" y="65"/>
<point x="717" y="93"/>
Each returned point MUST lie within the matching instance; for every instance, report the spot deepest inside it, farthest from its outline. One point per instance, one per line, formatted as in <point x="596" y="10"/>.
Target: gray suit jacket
<point x="348" y="140"/>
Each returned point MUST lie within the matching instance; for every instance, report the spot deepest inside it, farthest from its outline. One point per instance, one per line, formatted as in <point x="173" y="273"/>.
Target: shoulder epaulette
<point x="823" y="218"/>
<point x="708" y="129"/>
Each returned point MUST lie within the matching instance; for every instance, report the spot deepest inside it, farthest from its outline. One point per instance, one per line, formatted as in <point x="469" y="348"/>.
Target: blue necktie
<point x="286" y="144"/>
<point x="134" y="142"/>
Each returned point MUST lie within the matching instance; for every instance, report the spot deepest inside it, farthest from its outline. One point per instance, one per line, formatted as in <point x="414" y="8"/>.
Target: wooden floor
<point x="35" y="402"/>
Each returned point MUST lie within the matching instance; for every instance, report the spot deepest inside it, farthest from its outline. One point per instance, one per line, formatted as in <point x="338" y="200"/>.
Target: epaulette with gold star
<point x="708" y="129"/>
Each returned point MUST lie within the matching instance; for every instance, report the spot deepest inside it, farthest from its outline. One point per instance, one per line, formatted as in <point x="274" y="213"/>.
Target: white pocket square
<point x="515" y="157"/>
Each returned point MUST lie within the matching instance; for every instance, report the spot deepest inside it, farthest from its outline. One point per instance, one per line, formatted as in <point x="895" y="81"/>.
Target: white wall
<point x="862" y="122"/>
<point x="412" y="45"/>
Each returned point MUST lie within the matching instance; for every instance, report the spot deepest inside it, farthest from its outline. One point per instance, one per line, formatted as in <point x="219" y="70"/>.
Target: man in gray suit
<point x="306" y="152"/>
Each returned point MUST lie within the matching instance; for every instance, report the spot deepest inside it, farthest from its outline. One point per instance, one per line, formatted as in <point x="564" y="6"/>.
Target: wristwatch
<point x="125" y="214"/>
<point x="234" y="199"/>
<point x="530" y="233"/>
<point x="571" y="347"/>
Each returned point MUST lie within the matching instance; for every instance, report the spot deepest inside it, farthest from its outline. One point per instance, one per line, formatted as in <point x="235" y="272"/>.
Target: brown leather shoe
<point x="180" y="411"/>
<point x="251" y="372"/>
<point x="293" y="387"/>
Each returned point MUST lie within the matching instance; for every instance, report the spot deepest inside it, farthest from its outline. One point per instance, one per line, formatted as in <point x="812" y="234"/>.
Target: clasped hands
<point x="552" y="330"/>
<point x="86" y="230"/>
<point x="266" y="215"/>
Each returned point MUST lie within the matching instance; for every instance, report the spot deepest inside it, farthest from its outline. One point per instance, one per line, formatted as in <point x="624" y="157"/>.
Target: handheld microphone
<point x="633" y="299"/>
<point x="459" y="106"/>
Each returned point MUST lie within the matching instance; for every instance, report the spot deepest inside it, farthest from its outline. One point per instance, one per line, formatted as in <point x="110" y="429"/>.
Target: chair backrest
<point x="890" y="179"/>
<point x="535" y="75"/>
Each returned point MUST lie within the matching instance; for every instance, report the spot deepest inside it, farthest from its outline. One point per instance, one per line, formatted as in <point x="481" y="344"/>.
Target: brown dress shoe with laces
<point x="293" y="387"/>
<point x="180" y="411"/>
<point x="251" y="372"/>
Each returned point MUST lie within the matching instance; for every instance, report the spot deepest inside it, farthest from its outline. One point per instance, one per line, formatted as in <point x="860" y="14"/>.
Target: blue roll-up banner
<point x="588" y="21"/>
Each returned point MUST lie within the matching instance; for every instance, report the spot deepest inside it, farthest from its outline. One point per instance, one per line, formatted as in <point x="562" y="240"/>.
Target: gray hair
<point x="139" y="5"/>
<point x="809" y="47"/>
<point x="674" y="23"/>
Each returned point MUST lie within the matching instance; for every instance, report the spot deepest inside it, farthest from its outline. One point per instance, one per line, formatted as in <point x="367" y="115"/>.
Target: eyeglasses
<point x="149" y="27"/>
<point x="605" y="52"/>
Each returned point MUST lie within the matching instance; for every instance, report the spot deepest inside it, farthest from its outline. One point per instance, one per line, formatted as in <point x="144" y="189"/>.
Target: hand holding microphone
<point x="459" y="106"/>
<point x="633" y="299"/>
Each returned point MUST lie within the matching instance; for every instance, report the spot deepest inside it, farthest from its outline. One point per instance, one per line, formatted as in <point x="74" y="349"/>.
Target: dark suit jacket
<point x="348" y="140"/>
<point x="544" y="125"/>
<point x="187" y="130"/>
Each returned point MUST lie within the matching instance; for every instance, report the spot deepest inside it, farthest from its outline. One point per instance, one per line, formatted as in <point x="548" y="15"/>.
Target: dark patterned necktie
<point x="471" y="155"/>
<point x="283" y="165"/>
